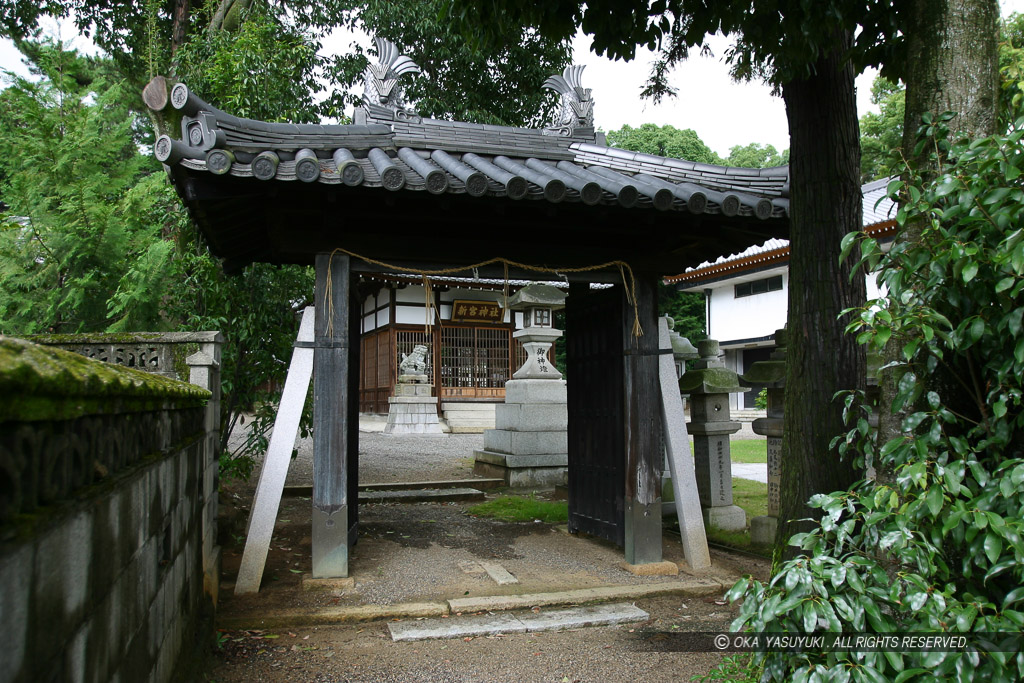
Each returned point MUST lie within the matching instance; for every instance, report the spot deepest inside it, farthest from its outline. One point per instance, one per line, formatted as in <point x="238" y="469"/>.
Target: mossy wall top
<point x="44" y="383"/>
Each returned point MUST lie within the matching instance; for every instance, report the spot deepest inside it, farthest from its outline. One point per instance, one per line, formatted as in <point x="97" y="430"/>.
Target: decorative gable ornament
<point x="577" y="114"/>
<point x="383" y="95"/>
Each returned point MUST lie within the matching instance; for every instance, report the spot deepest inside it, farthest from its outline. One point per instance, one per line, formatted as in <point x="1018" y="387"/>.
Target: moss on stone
<point x="45" y="383"/>
<point x="98" y="338"/>
<point x="180" y="352"/>
<point x="766" y="372"/>
<point x="710" y="381"/>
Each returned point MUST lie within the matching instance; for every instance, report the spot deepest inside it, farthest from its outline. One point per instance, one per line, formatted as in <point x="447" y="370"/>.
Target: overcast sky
<point x="722" y="112"/>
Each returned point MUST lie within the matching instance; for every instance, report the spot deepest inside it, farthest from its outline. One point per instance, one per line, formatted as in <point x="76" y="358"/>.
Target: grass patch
<point x="749" y="450"/>
<point x="750" y="495"/>
<point x="523" y="509"/>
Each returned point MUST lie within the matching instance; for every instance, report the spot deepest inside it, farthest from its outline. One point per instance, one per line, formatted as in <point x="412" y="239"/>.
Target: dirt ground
<point x="365" y="652"/>
<point x="412" y="553"/>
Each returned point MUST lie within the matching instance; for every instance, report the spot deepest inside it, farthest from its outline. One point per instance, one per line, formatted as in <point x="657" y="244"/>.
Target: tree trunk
<point x="952" y="65"/>
<point x="825" y="205"/>
<point x="182" y="11"/>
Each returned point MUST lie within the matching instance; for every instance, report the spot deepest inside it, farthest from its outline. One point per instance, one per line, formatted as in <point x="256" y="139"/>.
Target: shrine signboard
<point x="476" y="312"/>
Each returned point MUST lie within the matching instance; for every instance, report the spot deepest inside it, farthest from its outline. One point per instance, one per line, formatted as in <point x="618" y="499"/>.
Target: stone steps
<point x="468" y="418"/>
<point x="477" y="485"/>
<point x="422" y="496"/>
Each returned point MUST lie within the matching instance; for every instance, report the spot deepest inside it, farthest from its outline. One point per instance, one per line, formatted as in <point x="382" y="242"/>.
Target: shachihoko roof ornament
<point x="383" y="92"/>
<point x="577" y="114"/>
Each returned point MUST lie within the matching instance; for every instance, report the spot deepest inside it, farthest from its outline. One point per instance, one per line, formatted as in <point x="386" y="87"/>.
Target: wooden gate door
<point x="594" y="350"/>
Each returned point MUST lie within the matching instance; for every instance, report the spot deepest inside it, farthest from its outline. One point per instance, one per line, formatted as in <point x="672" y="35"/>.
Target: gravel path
<point x="385" y="459"/>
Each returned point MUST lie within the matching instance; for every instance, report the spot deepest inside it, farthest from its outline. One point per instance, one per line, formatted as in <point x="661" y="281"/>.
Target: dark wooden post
<point x="331" y="416"/>
<point x="352" y="403"/>
<point x="643" y="428"/>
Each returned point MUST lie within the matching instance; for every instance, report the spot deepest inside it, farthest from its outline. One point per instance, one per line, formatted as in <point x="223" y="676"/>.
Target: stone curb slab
<point x="690" y="586"/>
<point x="336" y="615"/>
<point x="491" y="624"/>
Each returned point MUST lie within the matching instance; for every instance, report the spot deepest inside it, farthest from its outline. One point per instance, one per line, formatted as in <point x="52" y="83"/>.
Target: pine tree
<point x="72" y="257"/>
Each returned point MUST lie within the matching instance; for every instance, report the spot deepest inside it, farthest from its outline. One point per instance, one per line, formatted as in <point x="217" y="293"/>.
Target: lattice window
<point x="474" y="357"/>
<point x="384" y="355"/>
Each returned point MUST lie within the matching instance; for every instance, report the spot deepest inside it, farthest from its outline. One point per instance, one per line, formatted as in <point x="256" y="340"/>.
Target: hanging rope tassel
<point x="428" y="292"/>
<point x="328" y="299"/>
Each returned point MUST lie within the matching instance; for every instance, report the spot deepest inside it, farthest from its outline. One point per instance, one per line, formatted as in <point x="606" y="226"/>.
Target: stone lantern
<point x="709" y="384"/>
<point x="538" y="303"/>
<point x="771" y="374"/>
<point x="529" y="444"/>
<point x="682" y="349"/>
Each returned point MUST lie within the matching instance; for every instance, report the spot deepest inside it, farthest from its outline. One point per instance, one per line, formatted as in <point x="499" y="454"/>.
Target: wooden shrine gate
<point x="594" y="325"/>
<point x="287" y="193"/>
<point x="615" y="426"/>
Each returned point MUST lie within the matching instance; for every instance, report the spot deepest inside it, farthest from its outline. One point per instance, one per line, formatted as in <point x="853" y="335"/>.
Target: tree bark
<point x="825" y="205"/>
<point x="182" y="12"/>
<point x="952" y="65"/>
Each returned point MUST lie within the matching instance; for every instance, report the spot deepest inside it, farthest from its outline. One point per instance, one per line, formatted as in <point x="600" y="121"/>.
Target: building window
<point x="771" y="284"/>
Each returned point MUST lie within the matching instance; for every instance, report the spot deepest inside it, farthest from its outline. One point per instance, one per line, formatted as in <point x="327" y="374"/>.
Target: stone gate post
<point x="772" y="374"/>
<point x="709" y="384"/>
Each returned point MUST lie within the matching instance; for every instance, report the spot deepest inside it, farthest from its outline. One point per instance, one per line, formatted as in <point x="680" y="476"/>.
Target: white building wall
<point x="758" y="315"/>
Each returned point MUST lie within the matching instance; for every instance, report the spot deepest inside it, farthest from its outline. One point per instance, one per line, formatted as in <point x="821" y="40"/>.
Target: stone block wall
<point x="188" y="356"/>
<point x="102" y="529"/>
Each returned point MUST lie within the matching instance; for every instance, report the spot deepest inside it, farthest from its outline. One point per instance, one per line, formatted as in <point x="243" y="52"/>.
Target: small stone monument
<point x="770" y="373"/>
<point x="529" y="445"/>
<point x="709" y="384"/>
<point x="413" y="409"/>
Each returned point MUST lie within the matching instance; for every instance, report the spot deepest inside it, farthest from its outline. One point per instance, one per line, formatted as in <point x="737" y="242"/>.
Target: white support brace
<point x="267" y="500"/>
<point x="680" y="459"/>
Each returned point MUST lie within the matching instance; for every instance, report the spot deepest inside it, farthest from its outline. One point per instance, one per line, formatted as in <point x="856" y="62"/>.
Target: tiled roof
<point x="464" y="158"/>
<point x="394" y="187"/>
<point x="879" y="219"/>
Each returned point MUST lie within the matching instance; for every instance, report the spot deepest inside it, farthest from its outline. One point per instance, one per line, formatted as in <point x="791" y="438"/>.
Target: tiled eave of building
<point x="762" y="260"/>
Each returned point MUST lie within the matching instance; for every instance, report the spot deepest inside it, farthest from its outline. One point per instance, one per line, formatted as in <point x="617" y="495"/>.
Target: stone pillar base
<point x="413" y="411"/>
<point x="523" y="471"/>
<point x="726" y="518"/>
<point x="762" y="530"/>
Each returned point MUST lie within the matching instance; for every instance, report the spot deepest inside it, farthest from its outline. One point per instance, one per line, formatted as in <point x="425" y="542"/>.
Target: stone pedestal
<point x="709" y="384"/>
<point x="413" y="410"/>
<point x="529" y="445"/>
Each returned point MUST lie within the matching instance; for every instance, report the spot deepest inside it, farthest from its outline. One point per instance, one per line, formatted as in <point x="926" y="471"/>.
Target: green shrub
<point x="761" y="400"/>
<point x="938" y="545"/>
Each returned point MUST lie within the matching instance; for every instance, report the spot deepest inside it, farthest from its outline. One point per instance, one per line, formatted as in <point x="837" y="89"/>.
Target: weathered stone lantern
<point x="771" y="374"/>
<point x="538" y="302"/>
<point x="709" y="384"/>
<point x="682" y="349"/>
<point x="529" y="444"/>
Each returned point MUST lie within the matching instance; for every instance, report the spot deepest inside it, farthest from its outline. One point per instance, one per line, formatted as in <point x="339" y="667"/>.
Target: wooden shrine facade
<point x="471" y="352"/>
<point x="349" y="198"/>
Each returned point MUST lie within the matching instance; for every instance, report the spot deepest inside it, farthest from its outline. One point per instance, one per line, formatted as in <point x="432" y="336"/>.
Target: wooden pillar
<point x="332" y="418"/>
<point x="643" y="427"/>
